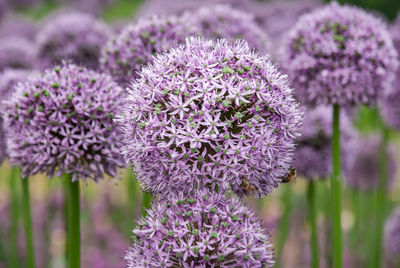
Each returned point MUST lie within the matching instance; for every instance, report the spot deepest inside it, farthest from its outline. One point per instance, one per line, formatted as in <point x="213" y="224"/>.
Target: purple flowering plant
<point x="73" y="36"/>
<point x="340" y="55"/>
<point x="61" y="122"/>
<point x="210" y="113"/>
<point x="202" y="229"/>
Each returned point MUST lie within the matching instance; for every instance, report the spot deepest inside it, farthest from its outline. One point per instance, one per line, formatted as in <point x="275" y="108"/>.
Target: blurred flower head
<point x="202" y="229"/>
<point x="62" y="122"/>
<point x="313" y="151"/>
<point x="225" y="22"/>
<point x="17" y="52"/>
<point x="124" y="55"/>
<point x="210" y="113"/>
<point x="364" y="173"/>
<point x="340" y="54"/>
<point x="72" y="36"/>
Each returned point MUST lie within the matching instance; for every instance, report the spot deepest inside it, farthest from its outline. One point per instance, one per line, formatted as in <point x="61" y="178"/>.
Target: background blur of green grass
<point x="270" y="208"/>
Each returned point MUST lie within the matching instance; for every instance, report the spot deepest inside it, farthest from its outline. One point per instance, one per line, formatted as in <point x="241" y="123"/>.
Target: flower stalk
<point x="336" y="190"/>
<point x="74" y="233"/>
<point x="26" y="212"/>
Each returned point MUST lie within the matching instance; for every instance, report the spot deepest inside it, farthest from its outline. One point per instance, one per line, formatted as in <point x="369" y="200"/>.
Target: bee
<point x="247" y="187"/>
<point x="290" y="176"/>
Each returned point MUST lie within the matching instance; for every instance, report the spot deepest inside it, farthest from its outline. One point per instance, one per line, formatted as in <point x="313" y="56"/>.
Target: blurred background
<point x="109" y="210"/>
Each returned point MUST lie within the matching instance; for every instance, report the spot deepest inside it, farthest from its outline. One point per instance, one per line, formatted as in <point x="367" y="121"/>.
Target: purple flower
<point x="210" y="113"/>
<point x="225" y="22"/>
<point x="364" y="173"/>
<point x="200" y="230"/>
<point x="73" y="36"/>
<point x="62" y="122"/>
<point x="17" y="52"/>
<point x="17" y="25"/>
<point x="392" y="234"/>
<point x="313" y="152"/>
<point x="124" y="55"/>
<point x="340" y="54"/>
<point x="8" y="79"/>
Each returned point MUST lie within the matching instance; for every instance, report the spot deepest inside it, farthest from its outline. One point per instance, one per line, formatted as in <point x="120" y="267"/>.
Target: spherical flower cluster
<point x="313" y="152"/>
<point x="8" y="79"/>
<point x="210" y="113"/>
<point x="16" y="25"/>
<point x="17" y="52"/>
<point x="73" y="36"/>
<point x="225" y="22"/>
<point x="392" y="234"/>
<point x="364" y="173"/>
<point x="340" y="54"/>
<point x="200" y="230"/>
<point x="135" y="46"/>
<point x="62" y="122"/>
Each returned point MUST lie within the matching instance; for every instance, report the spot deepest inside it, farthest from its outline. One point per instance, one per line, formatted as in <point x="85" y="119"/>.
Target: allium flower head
<point x="17" y="52"/>
<point x="124" y="55"/>
<point x="62" y="122"/>
<point x="73" y="36"/>
<point x="225" y="22"/>
<point x="340" y="54"/>
<point x="200" y="230"/>
<point x="364" y="173"/>
<point x="313" y="151"/>
<point x="210" y="113"/>
<point x="392" y="234"/>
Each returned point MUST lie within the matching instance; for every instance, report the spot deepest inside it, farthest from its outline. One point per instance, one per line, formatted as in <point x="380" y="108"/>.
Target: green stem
<point x="336" y="191"/>
<point x="66" y="181"/>
<point x="14" y="262"/>
<point x="313" y="222"/>
<point x="284" y="223"/>
<point x="74" y="232"/>
<point x="146" y="201"/>
<point x="26" y="212"/>
<point x="381" y="201"/>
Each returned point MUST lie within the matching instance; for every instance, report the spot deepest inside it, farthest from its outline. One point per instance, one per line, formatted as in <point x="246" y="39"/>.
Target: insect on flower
<point x="291" y="176"/>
